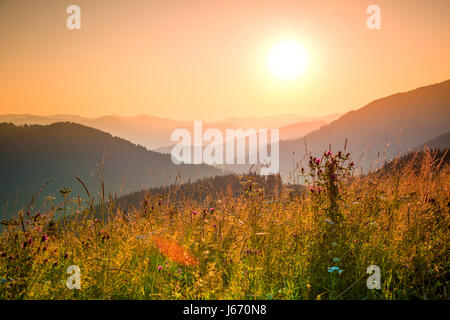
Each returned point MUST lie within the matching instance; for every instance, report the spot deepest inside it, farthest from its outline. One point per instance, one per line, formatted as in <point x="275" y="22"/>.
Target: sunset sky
<point x="207" y="59"/>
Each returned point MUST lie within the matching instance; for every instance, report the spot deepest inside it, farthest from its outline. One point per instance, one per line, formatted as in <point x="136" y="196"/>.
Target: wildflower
<point x="317" y="161"/>
<point x="329" y="153"/>
<point x="44" y="238"/>
<point x="3" y="280"/>
<point x="211" y="210"/>
<point x="66" y="256"/>
<point x="194" y="212"/>
<point x="333" y="176"/>
<point x="172" y="250"/>
<point x="332" y="269"/>
<point x="160" y="268"/>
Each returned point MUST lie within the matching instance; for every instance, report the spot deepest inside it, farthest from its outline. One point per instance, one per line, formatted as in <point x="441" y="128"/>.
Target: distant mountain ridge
<point x="272" y="122"/>
<point x="155" y="132"/>
<point x="33" y="155"/>
<point x="385" y="127"/>
<point x="441" y="142"/>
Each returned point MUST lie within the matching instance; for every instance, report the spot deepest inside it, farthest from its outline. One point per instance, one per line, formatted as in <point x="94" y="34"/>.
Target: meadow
<point x="315" y="244"/>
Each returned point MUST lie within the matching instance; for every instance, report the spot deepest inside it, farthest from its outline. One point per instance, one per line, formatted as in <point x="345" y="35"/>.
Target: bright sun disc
<point x="287" y="60"/>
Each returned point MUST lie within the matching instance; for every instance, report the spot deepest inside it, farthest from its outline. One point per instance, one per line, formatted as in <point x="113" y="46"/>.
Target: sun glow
<point x="287" y="60"/>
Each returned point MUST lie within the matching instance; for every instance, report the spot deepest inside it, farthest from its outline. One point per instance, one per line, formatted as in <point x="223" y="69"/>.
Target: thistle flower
<point x="160" y="268"/>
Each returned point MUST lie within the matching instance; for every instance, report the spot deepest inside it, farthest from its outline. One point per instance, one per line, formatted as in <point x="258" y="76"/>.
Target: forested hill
<point x="33" y="155"/>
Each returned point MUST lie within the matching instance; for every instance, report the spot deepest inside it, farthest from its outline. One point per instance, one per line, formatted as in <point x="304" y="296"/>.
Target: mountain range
<point x="155" y="132"/>
<point x="382" y="129"/>
<point x="33" y="155"/>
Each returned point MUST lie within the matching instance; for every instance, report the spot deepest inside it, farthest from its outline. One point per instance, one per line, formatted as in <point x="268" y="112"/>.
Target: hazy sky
<point x="207" y="59"/>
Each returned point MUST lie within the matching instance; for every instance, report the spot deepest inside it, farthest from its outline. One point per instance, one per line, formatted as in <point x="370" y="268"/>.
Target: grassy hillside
<point x="207" y="189"/>
<point x="34" y="155"/>
<point x="317" y="245"/>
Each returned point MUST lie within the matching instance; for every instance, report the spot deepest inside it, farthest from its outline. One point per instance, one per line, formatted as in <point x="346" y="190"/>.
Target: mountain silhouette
<point x="33" y="155"/>
<point x="384" y="128"/>
<point x="441" y="142"/>
<point x="155" y="132"/>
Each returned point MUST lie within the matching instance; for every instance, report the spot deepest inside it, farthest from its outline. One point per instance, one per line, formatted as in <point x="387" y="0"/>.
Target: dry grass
<point x="247" y="247"/>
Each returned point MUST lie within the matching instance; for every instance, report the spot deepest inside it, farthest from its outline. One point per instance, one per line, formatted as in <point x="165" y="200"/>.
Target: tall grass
<point x="313" y="245"/>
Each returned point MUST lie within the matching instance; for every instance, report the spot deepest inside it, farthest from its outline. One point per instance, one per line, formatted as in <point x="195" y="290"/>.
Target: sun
<point x="287" y="60"/>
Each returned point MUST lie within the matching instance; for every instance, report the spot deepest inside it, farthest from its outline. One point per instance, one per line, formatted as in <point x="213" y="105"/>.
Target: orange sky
<point x="206" y="59"/>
